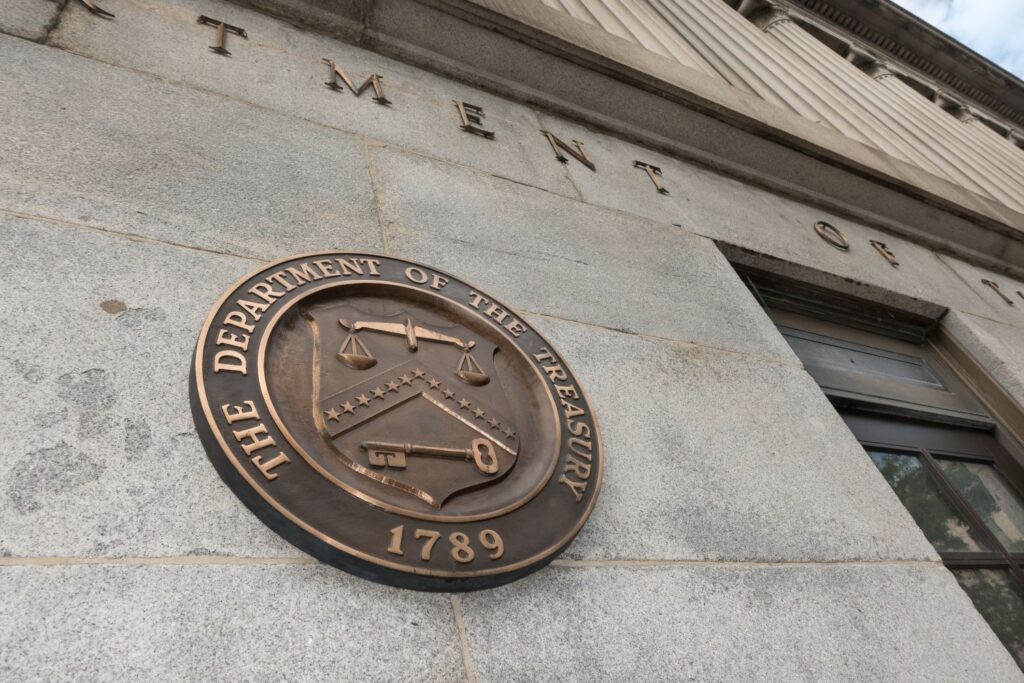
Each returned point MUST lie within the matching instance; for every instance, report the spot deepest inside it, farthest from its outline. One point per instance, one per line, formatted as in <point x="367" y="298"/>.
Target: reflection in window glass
<point x="998" y="597"/>
<point x="941" y="523"/>
<point x="994" y="502"/>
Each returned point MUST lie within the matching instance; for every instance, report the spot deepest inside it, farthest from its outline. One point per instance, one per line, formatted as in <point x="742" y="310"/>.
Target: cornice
<point x="908" y="39"/>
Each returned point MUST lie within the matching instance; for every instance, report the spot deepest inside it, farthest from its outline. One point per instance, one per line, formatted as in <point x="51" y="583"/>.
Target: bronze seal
<point x="394" y="421"/>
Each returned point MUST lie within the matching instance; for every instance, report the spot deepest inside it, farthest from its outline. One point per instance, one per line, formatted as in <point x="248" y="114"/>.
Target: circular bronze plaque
<point x="395" y="422"/>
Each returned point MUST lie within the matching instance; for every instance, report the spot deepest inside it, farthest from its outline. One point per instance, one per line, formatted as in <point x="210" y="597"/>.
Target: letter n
<point x="579" y="154"/>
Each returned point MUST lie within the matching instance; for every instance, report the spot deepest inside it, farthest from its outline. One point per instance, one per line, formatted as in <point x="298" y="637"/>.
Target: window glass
<point x="990" y="497"/>
<point x="942" y="524"/>
<point x="998" y="597"/>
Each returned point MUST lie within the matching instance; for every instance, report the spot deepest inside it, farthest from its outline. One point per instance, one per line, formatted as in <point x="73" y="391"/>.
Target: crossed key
<point x="383" y="454"/>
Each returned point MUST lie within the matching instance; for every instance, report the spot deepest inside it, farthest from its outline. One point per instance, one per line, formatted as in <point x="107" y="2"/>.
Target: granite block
<point x="281" y="67"/>
<point x="1005" y="305"/>
<point x="118" y="150"/>
<point x="755" y="219"/>
<point x="220" y="623"/>
<point x="996" y="346"/>
<point x="548" y="254"/>
<point x="724" y="456"/>
<point x="30" y="19"/>
<point x="710" y="623"/>
<point x="102" y="458"/>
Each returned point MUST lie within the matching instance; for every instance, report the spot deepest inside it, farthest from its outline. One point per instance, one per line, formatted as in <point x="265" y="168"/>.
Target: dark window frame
<point x="999" y="557"/>
<point x="969" y="419"/>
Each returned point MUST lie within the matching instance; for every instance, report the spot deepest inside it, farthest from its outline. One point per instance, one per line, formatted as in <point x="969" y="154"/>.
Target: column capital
<point x="764" y="14"/>
<point x="945" y="100"/>
<point x="954" y="106"/>
<point x="858" y="56"/>
<point x="879" y="69"/>
<point x="965" y="114"/>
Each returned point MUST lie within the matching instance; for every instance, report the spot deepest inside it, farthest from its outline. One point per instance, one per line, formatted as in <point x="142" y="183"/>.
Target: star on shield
<point x="429" y="432"/>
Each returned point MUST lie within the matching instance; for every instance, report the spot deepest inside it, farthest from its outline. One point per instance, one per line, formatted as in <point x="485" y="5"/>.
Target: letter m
<point x="336" y="72"/>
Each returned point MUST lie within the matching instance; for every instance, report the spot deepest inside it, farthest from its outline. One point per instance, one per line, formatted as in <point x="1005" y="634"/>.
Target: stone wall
<point x="741" y="532"/>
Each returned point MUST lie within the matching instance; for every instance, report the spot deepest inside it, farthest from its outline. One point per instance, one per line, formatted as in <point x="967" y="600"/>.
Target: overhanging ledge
<point x="527" y="51"/>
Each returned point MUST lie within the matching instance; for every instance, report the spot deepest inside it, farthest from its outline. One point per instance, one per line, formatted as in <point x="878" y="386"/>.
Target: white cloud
<point x="992" y="28"/>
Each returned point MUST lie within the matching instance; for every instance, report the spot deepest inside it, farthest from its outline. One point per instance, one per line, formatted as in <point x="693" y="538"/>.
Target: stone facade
<point x="741" y="532"/>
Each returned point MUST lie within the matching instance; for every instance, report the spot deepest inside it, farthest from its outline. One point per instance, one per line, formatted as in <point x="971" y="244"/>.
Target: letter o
<point x="416" y="275"/>
<point x="832" y="235"/>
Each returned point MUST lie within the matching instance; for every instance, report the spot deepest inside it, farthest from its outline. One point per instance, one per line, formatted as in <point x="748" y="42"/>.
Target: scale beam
<point x="411" y="332"/>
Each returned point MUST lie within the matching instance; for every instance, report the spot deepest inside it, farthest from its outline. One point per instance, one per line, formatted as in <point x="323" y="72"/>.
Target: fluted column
<point x="749" y="60"/>
<point x="636" y="23"/>
<point x="1003" y="150"/>
<point x="951" y="137"/>
<point x="1016" y="137"/>
<point x="962" y="122"/>
<point x="929" y="137"/>
<point x="1001" y="147"/>
<point x="775" y="59"/>
<point x="915" y="128"/>
<point x="896" y="134"/>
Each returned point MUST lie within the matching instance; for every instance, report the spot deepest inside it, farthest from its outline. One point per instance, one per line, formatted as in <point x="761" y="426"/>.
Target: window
<point x="954" y="466"/>
<point x="965" y="504"/>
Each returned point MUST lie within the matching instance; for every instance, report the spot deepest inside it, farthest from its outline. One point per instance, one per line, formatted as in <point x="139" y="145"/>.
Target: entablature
<point x="529" y="52"/>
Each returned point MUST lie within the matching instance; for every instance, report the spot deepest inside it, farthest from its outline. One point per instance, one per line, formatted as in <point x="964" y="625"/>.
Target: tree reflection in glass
<point x="990" y="497"/>
<point x="998" y="597"/>
<point x="941" y="523"/>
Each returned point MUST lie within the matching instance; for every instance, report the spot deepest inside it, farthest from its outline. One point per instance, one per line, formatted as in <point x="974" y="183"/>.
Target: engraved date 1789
<point x="461" y="546"/>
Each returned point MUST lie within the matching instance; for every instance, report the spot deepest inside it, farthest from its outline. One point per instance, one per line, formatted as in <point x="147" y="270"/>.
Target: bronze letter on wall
<point x="832" y="235"/>
<point x="96" y="9"/>
<point x="886" y="253"/>
<point x="654" y="173"/>
<point x="579" y="154"/>
<point x="472" y="119"/>
<point x="220" y="40"/>
<point x="995" y="288"/>
<point x="373" y="80"/>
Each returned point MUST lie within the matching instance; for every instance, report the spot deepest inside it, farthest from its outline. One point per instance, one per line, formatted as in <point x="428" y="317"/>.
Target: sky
<point x="992" y="28"/>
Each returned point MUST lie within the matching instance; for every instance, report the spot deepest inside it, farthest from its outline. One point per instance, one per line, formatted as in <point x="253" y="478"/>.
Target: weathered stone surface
<point x="548" y="254"/>
<point x="800" y="623"/>
<point x="746" y="216"/>
<point x="281" y="67"/>
<point x="998" y="347"/>
<point x="717" y="455"/>
<point x="104" y="461"/>
<point x="28" y="18"/>
<point x="618" y="184"/>
<point x="118" y="150"/>
<point x="101" y="456"/>
<point x="220" y="623"/>
<point x="507" y="57"/>
<point x="998" y="308"/>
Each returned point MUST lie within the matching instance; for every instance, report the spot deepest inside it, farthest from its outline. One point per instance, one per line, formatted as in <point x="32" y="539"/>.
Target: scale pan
<point x="477" y="379"/>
